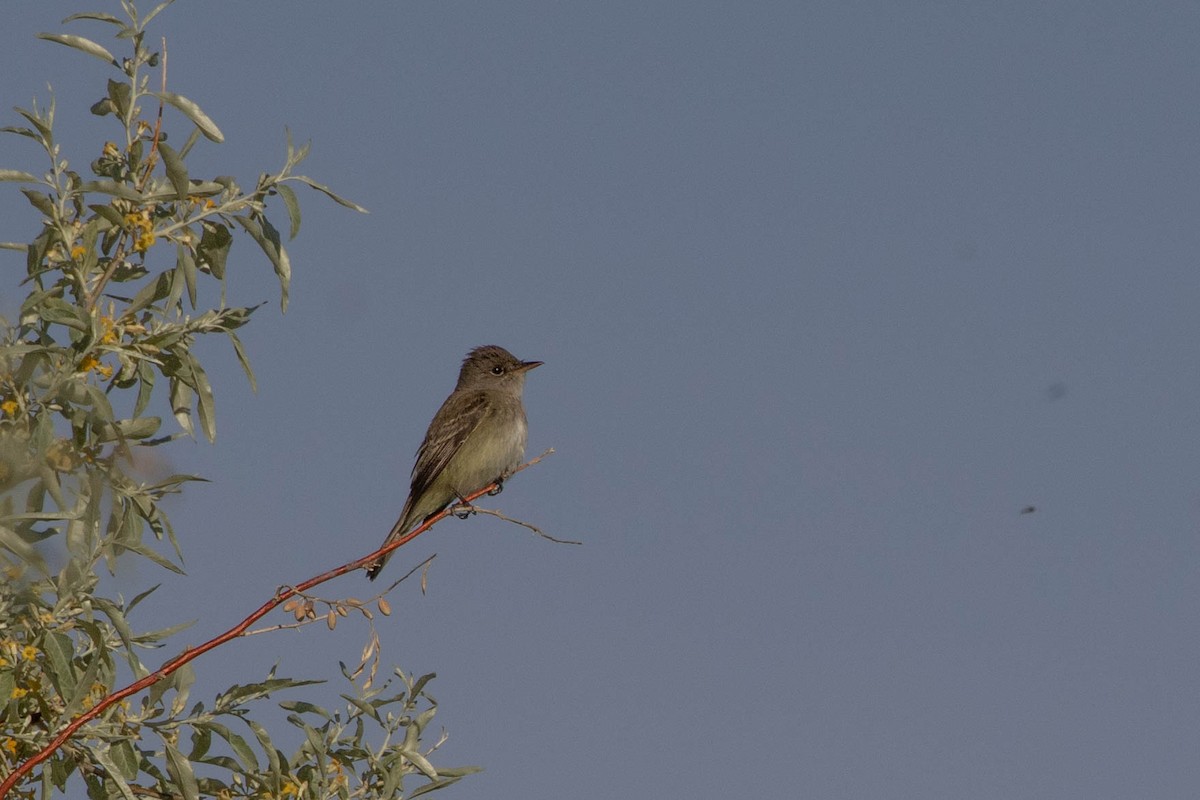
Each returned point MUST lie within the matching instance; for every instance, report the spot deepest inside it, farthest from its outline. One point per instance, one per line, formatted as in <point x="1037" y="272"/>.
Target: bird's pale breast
<point x="489" y="453"/>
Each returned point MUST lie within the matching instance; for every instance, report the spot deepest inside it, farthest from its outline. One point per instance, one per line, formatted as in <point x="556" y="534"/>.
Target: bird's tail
<point x="402" y="526"/>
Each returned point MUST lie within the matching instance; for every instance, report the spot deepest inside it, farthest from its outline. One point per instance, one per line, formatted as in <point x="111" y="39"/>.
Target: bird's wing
<point x="451" y="426"/>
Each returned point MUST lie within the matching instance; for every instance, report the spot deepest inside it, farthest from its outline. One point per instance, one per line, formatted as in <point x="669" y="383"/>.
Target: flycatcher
<point x="476" y="437"/>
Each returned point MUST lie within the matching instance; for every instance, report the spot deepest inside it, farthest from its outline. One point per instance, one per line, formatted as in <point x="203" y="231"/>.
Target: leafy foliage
<point x="115" y="280"/>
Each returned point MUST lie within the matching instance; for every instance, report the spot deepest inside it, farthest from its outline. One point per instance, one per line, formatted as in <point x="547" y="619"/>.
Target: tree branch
<point x="189" y="654"/>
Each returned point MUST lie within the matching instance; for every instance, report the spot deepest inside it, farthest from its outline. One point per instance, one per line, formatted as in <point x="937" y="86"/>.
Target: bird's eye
<point x="497" y="370"/>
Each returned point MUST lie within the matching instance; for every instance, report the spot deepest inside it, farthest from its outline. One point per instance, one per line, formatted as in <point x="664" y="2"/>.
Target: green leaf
<point x="220" y="762"/>
<point x="124" y="524"/>
<point x="96" y="15"/>
<point x="193" y="137"/>
<point x="282" y="263"/>
<point x="7" y="684"/>
<point x="150" y="637"/>
<point x="293" y="208"/>
<point x="240" y="747"/>
<point x="104" y="756"/>
<point x="34" y="361"/>
<point x="39" y="515"/>
<point x="201" y="742"/>
<point x="94" y="661"/>
<point x="125" y="758"/>
<point x="143" y="550"/>
<point x="105" y="186"/>
<point x="362" y="705"/>
<point x="60" y="655"/>
<point x="412" y="739"/>
<point x="36" y="251"/>
<point x="121" y="96"/>
<point x="202" y="189"/>
<point x="52" y="309"/>
<point x="240" y="352"/>
<point x="60" y="770"/>
<point x="137" y="428"/>
<point x="394" y="777"/>
<point x="268" y="239"/>
<point x="187" y="265"/>
<point x="103" y="107"/>
<point x="193" y="112"/>
<point x="108" y="213"/>
<point x="181" y="404"/>
<point x="180" y="770"/>
<point x="146" y="376"/>
<point x="81" y="44"/>
<point x="456" y="772"/>
<point x="39" y="124"/>
<point x="425" y="717"/>
<point x="10" y="540"/>
<point x="142" y="596"/>
<point x="325" y="190"/>
<point x="419" y="686"/>
<point x="154" y="694"/>
<point x="26" y="132"/>
<point x="154" y="12"/>
<point x="17" y="175"/>
<point x="264" y="740"/>
<point x="182" y="681"/>
<point x="294" y="156"/>
<point x="176" y="171"/>
<point x="39" y="201"/>
<point x="315" y="741"/>
<point x="35" y="500"/>
<point x="420" y="762"/>
<point x="213" y="249"/>
<point x="205" y="407"/>
<point x="51" y="482"/>
<point x="100" y="405"/>
<point x="151" y="293"/>
<point x="173" y="481"/>
<point x="303" y="707"/>
<point x="238" y="695"/>
<point x="442" y="782"/>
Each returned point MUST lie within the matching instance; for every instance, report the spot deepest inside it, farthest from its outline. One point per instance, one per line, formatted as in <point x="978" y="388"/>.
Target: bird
<point x="477" y="437"/>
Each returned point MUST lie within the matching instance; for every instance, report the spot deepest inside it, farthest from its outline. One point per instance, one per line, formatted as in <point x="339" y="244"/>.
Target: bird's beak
<point x="528" y="365"/>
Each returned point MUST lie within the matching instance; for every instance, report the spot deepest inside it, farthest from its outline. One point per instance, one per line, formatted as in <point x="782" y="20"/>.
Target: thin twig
<point x="281" y="627"/>
<point x="157" y="124"/>
<point x="333" y="603"/>
<point x="462" y="508"/>
<point x="549" y="451"/>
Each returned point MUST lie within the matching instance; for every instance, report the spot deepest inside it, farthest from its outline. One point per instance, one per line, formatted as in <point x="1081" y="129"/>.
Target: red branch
<point x="191" y="653"/>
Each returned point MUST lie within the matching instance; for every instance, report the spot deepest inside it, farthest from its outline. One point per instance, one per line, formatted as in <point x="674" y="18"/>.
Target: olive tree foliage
<point x="123" y="251"/>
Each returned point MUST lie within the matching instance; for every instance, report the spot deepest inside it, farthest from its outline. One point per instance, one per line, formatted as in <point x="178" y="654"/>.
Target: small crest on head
<point x="489" y="353"/>
<point x="491" y="365"/>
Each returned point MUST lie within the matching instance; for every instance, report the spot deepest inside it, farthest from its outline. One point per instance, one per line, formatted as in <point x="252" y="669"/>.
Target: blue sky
<point x="827" y="293"/>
